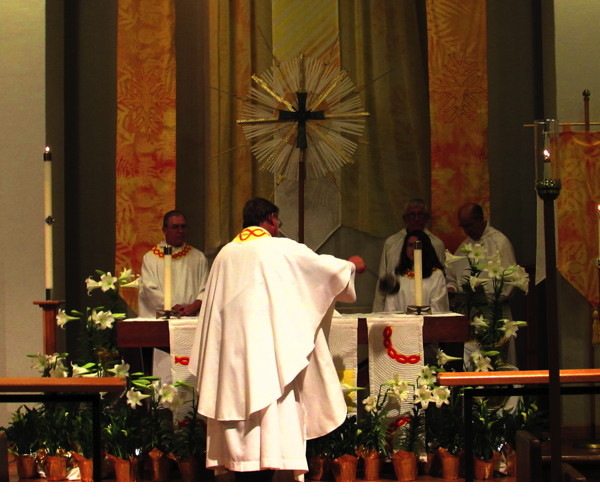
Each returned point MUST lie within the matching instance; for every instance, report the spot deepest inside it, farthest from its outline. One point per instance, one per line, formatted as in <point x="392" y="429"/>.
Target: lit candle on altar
<point x="168" y="257"/>
<point x="547" y="165"/>
<point x="418" y="268"/>
<point x="48" y="220"/>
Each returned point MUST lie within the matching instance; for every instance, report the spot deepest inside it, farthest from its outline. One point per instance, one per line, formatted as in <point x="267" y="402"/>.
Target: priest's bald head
<point x="262" y="213"/>
<point x="472" y="220"/>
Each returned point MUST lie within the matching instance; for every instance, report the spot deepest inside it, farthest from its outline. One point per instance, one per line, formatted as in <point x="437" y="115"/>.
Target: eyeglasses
<point x="175" y="227"/>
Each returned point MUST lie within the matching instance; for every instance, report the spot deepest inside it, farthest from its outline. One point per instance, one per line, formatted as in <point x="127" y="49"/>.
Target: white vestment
<point x="390" y="258"/>
<point x="493" y="241"/>
<point x="435" y="293"/>
<point x="189" y="274"/>
<point x="266" y="380"/>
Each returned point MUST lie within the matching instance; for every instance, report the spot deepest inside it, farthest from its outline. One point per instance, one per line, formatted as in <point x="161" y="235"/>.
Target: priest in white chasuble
<point x="266" y="380"/>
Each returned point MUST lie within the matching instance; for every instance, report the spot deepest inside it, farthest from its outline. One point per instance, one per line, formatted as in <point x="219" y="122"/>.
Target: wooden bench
<point x="80" y="389"/>
<point x="531" y="382"/>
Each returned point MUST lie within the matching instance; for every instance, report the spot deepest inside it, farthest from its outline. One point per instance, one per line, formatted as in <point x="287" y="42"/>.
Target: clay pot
<point x="55" y="468"/>
<point x="159" y="465"/>
<point x="510" y="457"/>
<point x="372" y="463"/>
<point x="318" y="466"/>
<point x="26" y="466"/>
<point x="86" y="467"/>
<point x="344" y="468"/>
<point x="189" y="468"/>
<point x="405" y="465"/>
<point x="126" y="469"/>
<point x="484" y="469"/>
<point x="450" y="464"/>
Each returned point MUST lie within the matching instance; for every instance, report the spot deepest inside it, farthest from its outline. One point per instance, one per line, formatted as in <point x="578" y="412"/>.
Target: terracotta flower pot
<point x="450" y="464"/>
<point x="26" y="466"/>
<point x="372" y="462"/>
<point x="405" y="465"/>
<point x="55" y="468"/>
<point x="126" y="469"/>
<point x="484" y="469"/>
<point x="318" y="466"/>
<point x="344" y="468"/>
<point x="189" y="468"/>
<point x="159" y="465"/>
<point x="510" y="457"/>
<point x="86" y="467"/>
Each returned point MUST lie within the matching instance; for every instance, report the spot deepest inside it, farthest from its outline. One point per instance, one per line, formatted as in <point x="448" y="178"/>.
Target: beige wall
<point x="576" y="37"/>
<point x="22" y="140"/>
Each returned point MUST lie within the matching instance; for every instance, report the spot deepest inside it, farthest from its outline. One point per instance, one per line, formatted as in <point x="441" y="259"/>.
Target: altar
<point x="367" y="349"/>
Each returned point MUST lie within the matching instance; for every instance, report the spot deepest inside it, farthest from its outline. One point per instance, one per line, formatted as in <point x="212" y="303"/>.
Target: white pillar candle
<point x="168" y="258"/>
<point x="418" y="268"/>
<point x="48" y="220"/>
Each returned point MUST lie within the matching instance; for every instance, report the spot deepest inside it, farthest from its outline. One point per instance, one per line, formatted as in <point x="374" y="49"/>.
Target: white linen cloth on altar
<point x="403" y="356"/>
<point x="342" y="341"/>
<point x="181" y="336"/>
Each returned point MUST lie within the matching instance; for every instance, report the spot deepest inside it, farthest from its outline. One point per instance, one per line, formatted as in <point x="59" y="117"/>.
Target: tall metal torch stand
<point x="548" y="188"/>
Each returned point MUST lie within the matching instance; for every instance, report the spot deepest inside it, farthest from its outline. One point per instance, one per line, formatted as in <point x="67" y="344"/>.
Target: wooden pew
<point x="81" y="389"/>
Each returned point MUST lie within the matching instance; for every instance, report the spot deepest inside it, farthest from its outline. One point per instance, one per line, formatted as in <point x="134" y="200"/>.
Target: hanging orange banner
<point x="145" y="149"/>
<point x="577" y="209"/>
<point x="458" y="89"/>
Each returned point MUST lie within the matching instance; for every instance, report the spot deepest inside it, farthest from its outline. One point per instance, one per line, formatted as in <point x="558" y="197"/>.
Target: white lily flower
<point x="441" y="396"/>
<point x="510" y="328"/>
<point x="517" y="276"/>
<point x="107" y="282"/>
<point x="450" y="258"/>
<point x="40" y="362"/>
<point x="480" y="323"/>
<point x="443" y="358"/>
<point x="120" y="370"/>
<point x="81" y="371"/>
<point x="476" y="253"/>
<point x="59" y="370"/>
<point x="62" y="318"/>
<point x="475" y="281"/>
<point x="134" y="398"/>
<point x="399" y="387"/>
<point x="370" y="404"/>
<point x="133" y="284"/>
<point x="494" y="269"/>
<point x="423" y="396"/>
<point x="92" y="285"/>
<point x="482" y="363"/>
<point x="126" y="275"/>
<point x="426" y="377"/>
<point x="103" y="319"/>
<point x="467" y="249"/>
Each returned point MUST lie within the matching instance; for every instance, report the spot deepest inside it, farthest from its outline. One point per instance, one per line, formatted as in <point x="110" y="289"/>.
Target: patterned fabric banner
<point x="577" y="207"/>
<point x="458" y="109"/>
<point x="145" y="152"/>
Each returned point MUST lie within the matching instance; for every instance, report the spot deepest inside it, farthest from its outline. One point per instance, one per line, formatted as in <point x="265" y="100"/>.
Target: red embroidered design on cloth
<point x="249" y="233"/>
<point x="160" y="254"/>
<point x="392" y="353"/>
<point x="182" y="360"/>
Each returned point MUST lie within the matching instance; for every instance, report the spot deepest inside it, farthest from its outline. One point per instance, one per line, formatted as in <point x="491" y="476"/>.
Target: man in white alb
<point x="189" y="272"/>
<point x="266" y="379"/>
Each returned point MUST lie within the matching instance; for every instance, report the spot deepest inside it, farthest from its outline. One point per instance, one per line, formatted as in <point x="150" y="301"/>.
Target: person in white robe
<point x="189" y="272"/>
<point x="416" y="216"/>
<point x="478" y="230"/>
<point x="266" y="379"/>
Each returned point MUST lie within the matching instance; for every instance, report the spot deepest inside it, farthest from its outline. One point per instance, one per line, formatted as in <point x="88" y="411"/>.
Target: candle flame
<point x="599" y="208"/>
<point x="47" y="149"/>
<point x="546" y="155"/>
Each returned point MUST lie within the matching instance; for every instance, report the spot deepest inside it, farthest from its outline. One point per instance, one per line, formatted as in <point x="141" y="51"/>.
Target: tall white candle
<point x="48" y="220"/>
<point x="168" y="257"/>
<point x="418" y="268"/>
